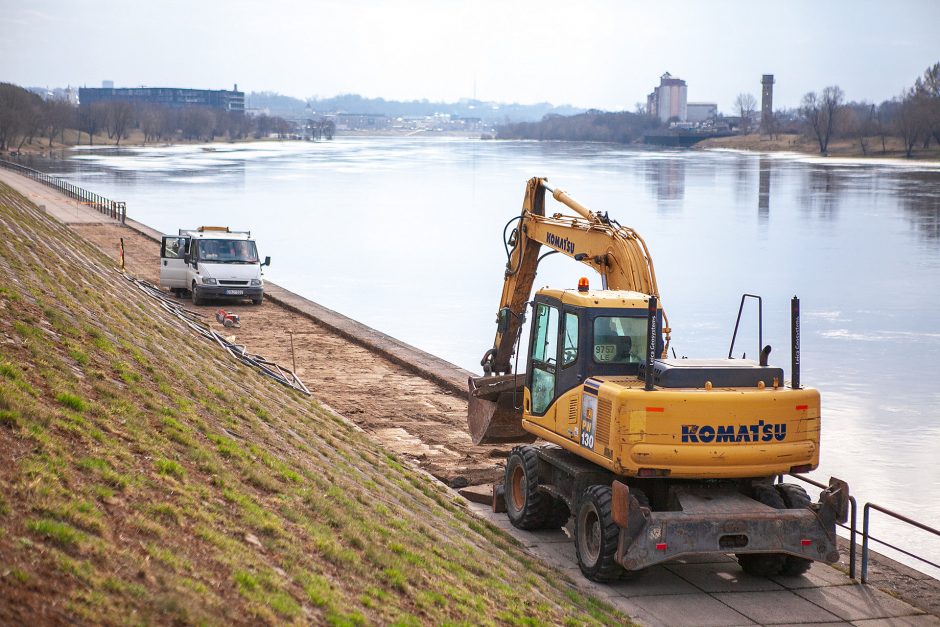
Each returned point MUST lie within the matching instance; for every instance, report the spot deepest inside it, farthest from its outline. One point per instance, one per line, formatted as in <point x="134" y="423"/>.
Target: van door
<point x="172" y="265"/>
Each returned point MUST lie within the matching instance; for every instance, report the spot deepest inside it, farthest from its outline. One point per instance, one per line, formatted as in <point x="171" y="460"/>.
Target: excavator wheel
<point x="794" y="497"/>
<point x="764" y="564"/>
<point x="596" y="536"/>
<point x="526" y="506"/>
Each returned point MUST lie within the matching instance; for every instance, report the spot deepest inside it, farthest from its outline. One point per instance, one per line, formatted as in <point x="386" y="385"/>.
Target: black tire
<point x="596" y="536"/>
<point x="764" y="564"/>
<point x="794" y="497"/>
<point x="526" y="506"/>
<point x="257" y="301"/>
<point x="197" y="298"/>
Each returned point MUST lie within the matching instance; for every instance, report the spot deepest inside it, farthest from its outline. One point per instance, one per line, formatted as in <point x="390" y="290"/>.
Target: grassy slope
<point x="145" y="477"/>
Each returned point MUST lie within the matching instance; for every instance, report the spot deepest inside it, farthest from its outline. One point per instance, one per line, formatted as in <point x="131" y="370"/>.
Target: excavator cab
<point x="576" y="334"/>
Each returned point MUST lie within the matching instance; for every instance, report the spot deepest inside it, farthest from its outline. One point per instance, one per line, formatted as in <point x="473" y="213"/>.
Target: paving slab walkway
<point x="713" y="590"/>
<point x="696" y="592"/>
<point x="56" y="203"/>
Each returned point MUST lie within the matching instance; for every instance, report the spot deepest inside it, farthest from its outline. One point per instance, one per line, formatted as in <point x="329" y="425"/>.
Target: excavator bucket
<point x="492" y="414"/>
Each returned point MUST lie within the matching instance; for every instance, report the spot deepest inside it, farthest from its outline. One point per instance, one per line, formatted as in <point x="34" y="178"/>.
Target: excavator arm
<point x="616" y="252"/>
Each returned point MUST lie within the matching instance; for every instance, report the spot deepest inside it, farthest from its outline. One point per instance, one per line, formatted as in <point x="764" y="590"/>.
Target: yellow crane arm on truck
<point x="616" y="252"/>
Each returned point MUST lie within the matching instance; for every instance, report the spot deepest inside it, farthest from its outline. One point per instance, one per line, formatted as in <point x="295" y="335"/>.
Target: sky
<point x="603" y="54"/>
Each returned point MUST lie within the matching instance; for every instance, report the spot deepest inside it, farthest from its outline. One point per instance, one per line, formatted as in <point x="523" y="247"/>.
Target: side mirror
<point x="267" y="261"/>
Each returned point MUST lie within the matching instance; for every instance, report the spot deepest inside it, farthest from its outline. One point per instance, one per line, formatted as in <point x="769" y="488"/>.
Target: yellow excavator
<point x="656" y="458"/>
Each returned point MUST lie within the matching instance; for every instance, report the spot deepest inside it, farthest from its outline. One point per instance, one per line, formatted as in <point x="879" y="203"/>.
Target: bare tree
<point x="31" y="118"/>
<point x="197" y="123"/>
<point x="927" y="90"/>
<point x="91" y="119"/>
<point x="329" y="128"/>
<point x="910" y="121"/>
<point x="120" y="116"/>
<point x="149" y="119"/>
<point x="20" y="115"/>
<point x="11" y="97"/>
<point x="58" y="115"/>
<point x="820" y="112"/>
<point x="745" y="105"/>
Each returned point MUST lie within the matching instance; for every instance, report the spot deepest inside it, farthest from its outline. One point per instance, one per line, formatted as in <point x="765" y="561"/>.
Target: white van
<point x="212" y="262"/>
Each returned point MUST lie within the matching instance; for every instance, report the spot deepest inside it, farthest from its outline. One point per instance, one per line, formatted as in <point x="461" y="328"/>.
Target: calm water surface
<point x="405" y="236"/>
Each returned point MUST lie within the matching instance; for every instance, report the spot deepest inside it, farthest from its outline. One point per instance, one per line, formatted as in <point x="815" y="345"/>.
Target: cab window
<point x="570" y="354"/>
<point x="545" y="348"/>
<point x="619" y="340"/>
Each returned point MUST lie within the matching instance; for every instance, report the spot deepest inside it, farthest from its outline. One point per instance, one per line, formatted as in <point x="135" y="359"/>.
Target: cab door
<point x="568" y="416"/>
<point x="172" y="264"/>
<point x="543" y="363"/>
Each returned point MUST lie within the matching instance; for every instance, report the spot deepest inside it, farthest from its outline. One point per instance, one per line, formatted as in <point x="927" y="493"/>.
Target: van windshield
<point x="227" y="251"/>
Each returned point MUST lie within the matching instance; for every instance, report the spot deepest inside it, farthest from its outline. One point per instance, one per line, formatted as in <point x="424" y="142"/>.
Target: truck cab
<point x="212" y="262"/>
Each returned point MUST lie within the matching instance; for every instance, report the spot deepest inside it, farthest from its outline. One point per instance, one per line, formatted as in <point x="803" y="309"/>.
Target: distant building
<point x="360" y="121"/>
<point x="669" y="99"/>
<point x="219" y="99"/>
<point x="767" y="103"/>
<point x="68" y="94"/>
<point x="701" y="111"/>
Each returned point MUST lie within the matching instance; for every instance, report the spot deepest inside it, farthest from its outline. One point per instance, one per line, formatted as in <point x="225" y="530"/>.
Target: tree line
<point x="25" y="117"/>
<point x="597" y="126"/>
<point x="913" y="117"/>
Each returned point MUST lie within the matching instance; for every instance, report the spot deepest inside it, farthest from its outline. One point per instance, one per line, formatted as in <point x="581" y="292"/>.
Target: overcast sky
<point x="602" y="54"/>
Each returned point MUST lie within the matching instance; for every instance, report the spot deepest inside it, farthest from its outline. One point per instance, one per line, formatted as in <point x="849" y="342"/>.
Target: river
<point x="405" y="235"/>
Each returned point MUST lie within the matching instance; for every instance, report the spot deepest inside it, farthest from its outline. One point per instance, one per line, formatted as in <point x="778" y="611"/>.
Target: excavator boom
<point x="615" y="252"/>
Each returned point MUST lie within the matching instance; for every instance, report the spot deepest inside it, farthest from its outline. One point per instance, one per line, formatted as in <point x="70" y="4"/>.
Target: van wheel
<point x="257" y="301"/>
<point x="596" y="536"/>
<point x="197" y="298"/>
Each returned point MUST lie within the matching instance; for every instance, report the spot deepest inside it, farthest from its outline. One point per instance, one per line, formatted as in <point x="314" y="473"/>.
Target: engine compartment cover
<point x="693" y="373"/>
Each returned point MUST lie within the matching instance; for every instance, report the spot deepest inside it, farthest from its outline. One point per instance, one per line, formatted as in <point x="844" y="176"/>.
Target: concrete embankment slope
<point x="148" y="478"/>
<point x="425" y="421"/>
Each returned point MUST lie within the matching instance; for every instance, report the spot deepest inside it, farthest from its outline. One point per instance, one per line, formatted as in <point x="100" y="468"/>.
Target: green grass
<point x="152" y="480"/>
<point x="60" y="533"/>
<point x="71" y="401"/>
<point x="170" y="467"/>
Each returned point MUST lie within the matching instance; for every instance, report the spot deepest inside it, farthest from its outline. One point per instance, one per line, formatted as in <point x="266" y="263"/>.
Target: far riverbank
<point x="874" y="149"/>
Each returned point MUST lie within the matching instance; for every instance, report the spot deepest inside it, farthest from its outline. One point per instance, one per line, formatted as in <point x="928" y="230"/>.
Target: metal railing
<point x="112" y="208"/>
<point x="866" y="536"/>
<point x="852" y="527"/>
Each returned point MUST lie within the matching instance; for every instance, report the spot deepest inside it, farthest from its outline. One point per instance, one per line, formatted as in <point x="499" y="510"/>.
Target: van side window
<point x="174" y="247"/>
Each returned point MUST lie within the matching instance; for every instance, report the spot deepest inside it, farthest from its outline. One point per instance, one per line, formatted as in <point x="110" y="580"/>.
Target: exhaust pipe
<point x="651" y="344"/>
<point x="795" y="343"/>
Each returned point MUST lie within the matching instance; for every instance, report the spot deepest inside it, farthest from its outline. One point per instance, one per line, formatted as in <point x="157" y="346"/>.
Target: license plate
<point x="234" y="292"/>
